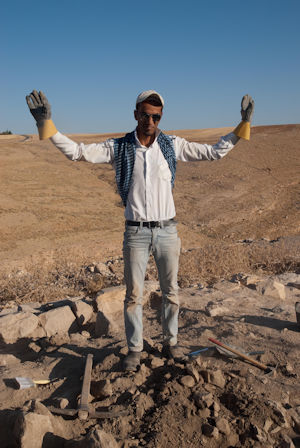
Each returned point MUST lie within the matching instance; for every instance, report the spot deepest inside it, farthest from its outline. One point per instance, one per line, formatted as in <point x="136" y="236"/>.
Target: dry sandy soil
<point x="49" y="203"/>
<point x="239" y="214"/>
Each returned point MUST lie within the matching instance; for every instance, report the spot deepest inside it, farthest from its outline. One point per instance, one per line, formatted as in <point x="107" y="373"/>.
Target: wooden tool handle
<point x="83" y="410"/>
<point x="241" y="355"/>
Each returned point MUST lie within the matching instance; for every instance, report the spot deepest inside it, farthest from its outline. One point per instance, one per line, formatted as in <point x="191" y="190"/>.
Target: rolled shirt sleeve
<point x="95" y="152"/>
<point x="192" y="151"/>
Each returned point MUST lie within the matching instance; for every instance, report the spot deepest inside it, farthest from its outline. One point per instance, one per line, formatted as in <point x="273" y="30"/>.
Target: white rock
<point x="272" y="288"/>
<point x="110" y="305"/>
<point x="286" y="442"/>
<point x="8" y="360"/>
<point x="157" y="362"/>
<point x="6" y="311"/>
<point x="187" y="381"/>
<point x="223" y="426"/>
<point x="30" y="429"/>
<point x="111" y="300"/>
<point x="31" y="307"/>
<point x="210" y="431"/>
<point x="83" y="311"/>
<point x="103" y="269"/>
<point x="57" y="321"/>
<point x="17" y="326"/>
<point x="217" y="378"/>
<point x="96" y="438"/>
<point x="213" y="309"/>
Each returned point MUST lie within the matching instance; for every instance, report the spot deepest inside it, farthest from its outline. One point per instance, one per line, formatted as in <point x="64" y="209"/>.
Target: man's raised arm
<point x="41" y="111"/>
<point x="191" y="152"/>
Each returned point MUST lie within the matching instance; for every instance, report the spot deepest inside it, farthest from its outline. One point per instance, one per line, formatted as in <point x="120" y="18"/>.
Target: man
<point x="145" y="165"/>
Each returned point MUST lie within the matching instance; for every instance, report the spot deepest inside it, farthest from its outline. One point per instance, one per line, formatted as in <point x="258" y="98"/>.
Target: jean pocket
<point x="131" y="230"/>
<point x="172" y="229"/>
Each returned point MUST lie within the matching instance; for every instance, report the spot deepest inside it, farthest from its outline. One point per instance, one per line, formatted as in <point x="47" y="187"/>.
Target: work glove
<point x="41" y="112"/>
<point x="247" y="110"/>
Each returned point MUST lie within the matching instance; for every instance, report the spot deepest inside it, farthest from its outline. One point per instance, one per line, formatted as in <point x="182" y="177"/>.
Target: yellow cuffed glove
<point x="41" y="112"/>
<point x="46" y="129"/>
<point x="247" y="110"/>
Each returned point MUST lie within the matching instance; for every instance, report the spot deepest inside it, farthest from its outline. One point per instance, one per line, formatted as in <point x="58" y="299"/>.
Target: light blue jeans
<point x="165" y="246"/>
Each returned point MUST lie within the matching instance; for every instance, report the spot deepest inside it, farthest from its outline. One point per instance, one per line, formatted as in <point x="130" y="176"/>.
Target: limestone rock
<point x="232" y="439"/>
<point x="213" y="309"/>
<point x="272" y="288"/>
<point x="203" y="413"/>
<point x="268" y="424"/>
<point x="110" y="305"/>
<point x="9" y="310"/>
<point x="101" y="389"/>
<point x="191" y="370"/>
<point x="286" y="442"/>
<point x="143" y="403"/>
<point x="210" y="431"/>
<point x="103" y="269"/>
<point x="296" y="425"/>
<point x="205" y="374"/>
<point x="258" y="434"/>
<point x="223" y="426"/>
<point x="111" y="300"/>
<point x="57" y="321"/>
<point x="187" y="381"/>
<point x="83" y="311"/>
<point x="280" y="413"/>
<point x="203" y="399"/>
<point x="96" y="438"/>
<point x="30" y="307"/>
<point x="61" y="403"/>
<point x="142" y="375"/>
<point x="18" y="325"/>
<point x="8" y="360"/>
<point x="226" y="286"/>
<point x="157" y="362"/>
<point x="217" y="378"/>
<point x="30" y="429"/>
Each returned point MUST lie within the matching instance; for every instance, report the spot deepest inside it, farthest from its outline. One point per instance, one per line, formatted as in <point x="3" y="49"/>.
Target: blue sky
<point x="92" y="58"/>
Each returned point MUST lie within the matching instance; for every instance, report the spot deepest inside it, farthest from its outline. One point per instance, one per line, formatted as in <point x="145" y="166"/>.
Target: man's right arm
<point x="41" y="111"/>
<point x="95" y="152"/>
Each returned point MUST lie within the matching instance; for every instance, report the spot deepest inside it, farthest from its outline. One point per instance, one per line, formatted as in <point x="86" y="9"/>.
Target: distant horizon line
<point x="2" y="133"/>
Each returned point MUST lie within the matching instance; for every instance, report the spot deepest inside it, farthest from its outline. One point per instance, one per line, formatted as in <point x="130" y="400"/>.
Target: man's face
<point x="148" y="118"/>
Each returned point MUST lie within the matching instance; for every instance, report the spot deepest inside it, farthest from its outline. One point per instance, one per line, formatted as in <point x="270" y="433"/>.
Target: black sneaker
<point x="173" y="352"/>
<point x="132" y="361"/>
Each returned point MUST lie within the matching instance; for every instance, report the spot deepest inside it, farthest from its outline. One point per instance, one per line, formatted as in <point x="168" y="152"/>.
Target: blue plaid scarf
<point x="124" y="152"/>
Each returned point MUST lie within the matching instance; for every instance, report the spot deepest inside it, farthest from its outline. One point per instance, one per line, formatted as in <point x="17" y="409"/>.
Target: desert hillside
<point x="49" y="203"/>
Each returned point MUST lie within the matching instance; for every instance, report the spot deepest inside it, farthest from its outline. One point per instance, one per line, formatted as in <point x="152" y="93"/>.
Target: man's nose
<point x="150" y="119"/>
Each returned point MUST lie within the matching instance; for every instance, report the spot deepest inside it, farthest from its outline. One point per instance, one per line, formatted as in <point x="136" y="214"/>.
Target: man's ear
<point x="135" y="114"/>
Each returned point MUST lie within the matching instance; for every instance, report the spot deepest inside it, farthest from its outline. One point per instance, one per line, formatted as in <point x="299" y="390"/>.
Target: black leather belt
<point x="151" y="224"/>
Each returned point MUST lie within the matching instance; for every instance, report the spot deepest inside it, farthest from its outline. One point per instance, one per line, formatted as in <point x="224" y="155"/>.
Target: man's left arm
<point x="192" y="151"/>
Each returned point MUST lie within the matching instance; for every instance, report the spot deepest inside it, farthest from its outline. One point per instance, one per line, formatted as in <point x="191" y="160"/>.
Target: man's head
<point x="148" y="112"/>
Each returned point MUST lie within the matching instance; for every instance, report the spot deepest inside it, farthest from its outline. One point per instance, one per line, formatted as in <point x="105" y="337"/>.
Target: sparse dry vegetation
<point x="72" y="274"/>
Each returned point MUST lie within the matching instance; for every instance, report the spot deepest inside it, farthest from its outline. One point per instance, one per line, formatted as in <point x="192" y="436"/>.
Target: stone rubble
<point x="222" y="400"/>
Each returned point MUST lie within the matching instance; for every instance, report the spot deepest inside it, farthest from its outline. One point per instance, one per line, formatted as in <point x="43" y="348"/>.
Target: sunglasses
<point x="155" y="117"/>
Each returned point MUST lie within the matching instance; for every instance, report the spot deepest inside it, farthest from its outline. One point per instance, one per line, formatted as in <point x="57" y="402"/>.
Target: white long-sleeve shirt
<point x="150" y="196"/>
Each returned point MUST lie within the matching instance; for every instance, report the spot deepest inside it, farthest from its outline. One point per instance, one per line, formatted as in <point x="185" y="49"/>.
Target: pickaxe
<point x="83" y="410"/>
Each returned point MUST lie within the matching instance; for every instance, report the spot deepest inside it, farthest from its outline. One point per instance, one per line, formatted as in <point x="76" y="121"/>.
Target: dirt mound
<point x="207" y="399"/>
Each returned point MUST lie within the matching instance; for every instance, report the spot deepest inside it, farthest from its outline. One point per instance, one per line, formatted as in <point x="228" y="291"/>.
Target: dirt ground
<point x="239" y="214"/>
<point x="48" y="203"/>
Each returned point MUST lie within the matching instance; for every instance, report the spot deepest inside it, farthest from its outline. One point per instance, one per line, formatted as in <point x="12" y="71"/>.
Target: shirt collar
<point x="157" y="132"/>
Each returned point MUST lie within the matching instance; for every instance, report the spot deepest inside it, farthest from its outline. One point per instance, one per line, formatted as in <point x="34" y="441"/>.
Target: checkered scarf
<point x="124" y="152"/>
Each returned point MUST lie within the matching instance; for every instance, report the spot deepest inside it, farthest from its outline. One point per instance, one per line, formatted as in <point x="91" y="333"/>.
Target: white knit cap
<point x="144" y="95"/>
